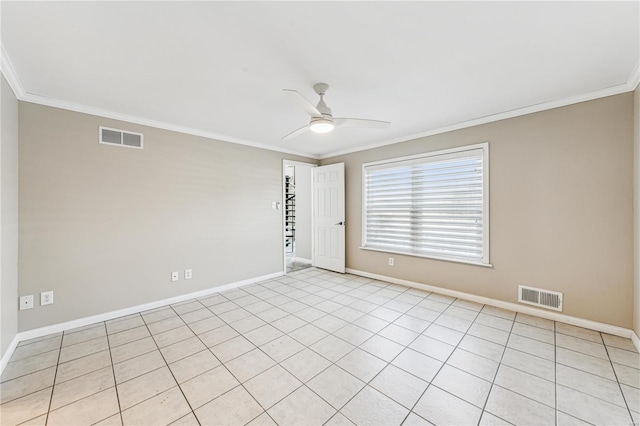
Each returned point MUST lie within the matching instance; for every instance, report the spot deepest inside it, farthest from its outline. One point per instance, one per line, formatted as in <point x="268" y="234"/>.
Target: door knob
<point x="341" y="223"/>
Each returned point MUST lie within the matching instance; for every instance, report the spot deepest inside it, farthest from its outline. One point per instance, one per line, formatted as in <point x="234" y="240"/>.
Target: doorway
<point x="298" y="253"/>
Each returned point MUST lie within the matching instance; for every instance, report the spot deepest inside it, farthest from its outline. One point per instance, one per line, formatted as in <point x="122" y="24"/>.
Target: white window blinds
<point x="432" y="205"/>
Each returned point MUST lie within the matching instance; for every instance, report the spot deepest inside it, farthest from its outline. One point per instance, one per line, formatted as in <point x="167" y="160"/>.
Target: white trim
<point x="484" y="146"/>
<point x="635" y="340"/>
<point x="12" y="77"/>
<point x="589" y="96"/>
<point x="580" y="322"/>
<point x="455" y="150"/>
<point x="37" y="99"/>
<point x="81" y="322"/>
<point x="283" y="202"/>
<point x="303" y="260"/>
<point x="299" y="163"/>
<point x="312" y="196"/>
<point x="424" y="256"/>
<point x="9" y="352"/>
<point x="286" y="163"/>
<point x="10" y="74"/>
<point x="486" y="217"/>
<point x="634" y="77"/>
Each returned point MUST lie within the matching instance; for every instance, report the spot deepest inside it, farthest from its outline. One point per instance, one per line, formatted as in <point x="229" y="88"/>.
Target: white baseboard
<point x="81" y="322"/>
<point x="302" y="260"/>
<point x="635" y="340"/>
<point x="554" y="316"/>
<point x="7" y="355"/>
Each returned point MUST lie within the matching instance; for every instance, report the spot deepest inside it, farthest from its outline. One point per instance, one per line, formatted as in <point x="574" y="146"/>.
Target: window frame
<point x="484" y="146"/>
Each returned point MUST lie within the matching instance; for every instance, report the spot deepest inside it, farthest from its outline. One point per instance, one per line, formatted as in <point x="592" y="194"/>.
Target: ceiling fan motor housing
<point x="324" y="109"/>
<point x="321" y="89"/>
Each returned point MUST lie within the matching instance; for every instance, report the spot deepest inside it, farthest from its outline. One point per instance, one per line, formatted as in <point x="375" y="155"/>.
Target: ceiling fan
<point x="322" y="120"/>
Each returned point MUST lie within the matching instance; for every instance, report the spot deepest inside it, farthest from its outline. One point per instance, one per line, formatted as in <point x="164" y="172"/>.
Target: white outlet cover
<point x="188" y="274"/>
<point x="175" y="276"/>
<point x="26" y="302"/>
<point x="46" y="298"/>
<point x="391" y="261"/>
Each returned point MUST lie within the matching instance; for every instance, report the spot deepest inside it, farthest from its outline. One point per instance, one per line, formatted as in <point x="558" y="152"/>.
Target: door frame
<point x="293" y="163"/>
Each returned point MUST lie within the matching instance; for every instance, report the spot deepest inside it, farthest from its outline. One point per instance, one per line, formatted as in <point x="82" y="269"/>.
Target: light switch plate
<point x="175" y="276"/>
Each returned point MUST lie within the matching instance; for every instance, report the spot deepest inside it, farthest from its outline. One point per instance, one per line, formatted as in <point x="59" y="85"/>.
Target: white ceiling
<point x="217" y="68"/>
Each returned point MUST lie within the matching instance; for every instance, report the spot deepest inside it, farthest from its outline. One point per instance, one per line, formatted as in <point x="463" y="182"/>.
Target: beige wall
<point x="104" y="226"/>
<point x="636" y="211"/>
<point x="560" y="209"/>
<point x="8" y="217"/>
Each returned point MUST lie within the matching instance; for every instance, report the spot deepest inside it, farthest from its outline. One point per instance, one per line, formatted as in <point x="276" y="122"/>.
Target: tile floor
<point x="293" y="265"/>
<point x="321" y="348"/>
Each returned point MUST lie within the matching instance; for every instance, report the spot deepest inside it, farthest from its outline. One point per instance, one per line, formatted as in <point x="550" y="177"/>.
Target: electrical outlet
<point x="391" y="261"/>
<point x="175" y="276"/>
<point x="46" y="298"/>
<point x="188" y="273"/>
<point x="26" y="302"/>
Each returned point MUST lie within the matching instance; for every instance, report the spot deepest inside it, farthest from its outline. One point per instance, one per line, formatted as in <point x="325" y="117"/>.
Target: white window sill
<point x="446" y="259"/>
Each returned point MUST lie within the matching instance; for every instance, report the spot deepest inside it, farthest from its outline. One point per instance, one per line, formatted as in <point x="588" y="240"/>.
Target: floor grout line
<point x="53" y="385"/>
<point x="170" y="371"/>
<point x="430" y="382"/>
<point x="229" y="371"/>
<point x="337" y="290"/>
<point x="624" y="398"/>
<point x="113" y="371"/>
<point x="493" y="382"/>
<point x="555" y="372"/>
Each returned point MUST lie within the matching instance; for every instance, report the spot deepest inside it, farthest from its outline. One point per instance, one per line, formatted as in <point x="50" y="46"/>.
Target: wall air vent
<point x="120" y="137"/>
<point x="539" y="297"/>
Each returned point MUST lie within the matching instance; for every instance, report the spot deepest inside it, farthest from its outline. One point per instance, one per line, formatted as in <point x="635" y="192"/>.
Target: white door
<point x="328" y="217"/>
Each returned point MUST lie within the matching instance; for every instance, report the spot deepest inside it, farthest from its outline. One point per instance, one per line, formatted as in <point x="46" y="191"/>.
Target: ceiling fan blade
<point x="303" y="102"/>
<point x="360" y="122"/>
<point x="297" y="132"/>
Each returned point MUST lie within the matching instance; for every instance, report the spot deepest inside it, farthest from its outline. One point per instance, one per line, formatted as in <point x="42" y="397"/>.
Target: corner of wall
<point x="636" y="211"/>
<point x="8" y="221"/>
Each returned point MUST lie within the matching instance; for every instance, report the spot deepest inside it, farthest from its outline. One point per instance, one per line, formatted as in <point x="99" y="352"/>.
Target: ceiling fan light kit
<point x="322" y="120"/>
<point x="321" y="125"/>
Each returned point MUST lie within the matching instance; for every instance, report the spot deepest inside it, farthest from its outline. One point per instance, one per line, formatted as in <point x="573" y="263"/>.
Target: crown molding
<point x="42" y="100"/>
<point x="12" y="78"/>
<point x="589" y="96"/>
<point x="9" y="72"/>
<point x="634" y="78"/>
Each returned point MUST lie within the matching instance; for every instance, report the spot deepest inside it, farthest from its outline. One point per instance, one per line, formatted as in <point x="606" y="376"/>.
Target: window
<point x="431" y="205"/>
